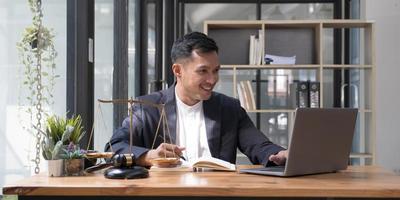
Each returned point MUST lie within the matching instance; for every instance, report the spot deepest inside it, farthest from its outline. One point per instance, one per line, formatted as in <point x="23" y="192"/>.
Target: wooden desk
<point x="355" y="182"/>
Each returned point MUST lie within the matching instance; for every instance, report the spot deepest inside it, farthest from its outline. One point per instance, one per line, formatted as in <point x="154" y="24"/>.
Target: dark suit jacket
<point x="228" y="127"/>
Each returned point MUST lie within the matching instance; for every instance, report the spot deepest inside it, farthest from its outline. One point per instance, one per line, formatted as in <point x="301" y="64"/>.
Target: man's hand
<point x="162" y="151"/>
<point x="279" y="158"/>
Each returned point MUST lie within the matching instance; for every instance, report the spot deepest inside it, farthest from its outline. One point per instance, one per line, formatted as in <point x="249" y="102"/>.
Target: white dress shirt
<point x="191" y="130"/>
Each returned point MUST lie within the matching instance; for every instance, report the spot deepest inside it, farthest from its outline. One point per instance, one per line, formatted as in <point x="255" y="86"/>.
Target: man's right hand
<point x="162" y="151"/>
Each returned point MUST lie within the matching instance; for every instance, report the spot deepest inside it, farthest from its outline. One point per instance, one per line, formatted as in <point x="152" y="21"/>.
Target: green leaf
<point x="56" y="150"/>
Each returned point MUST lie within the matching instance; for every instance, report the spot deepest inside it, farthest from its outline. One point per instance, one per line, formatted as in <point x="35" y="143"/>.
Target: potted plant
<point x="37" y="54"/>
<point x="73" y="160"/>
<point x="60" y="133"/>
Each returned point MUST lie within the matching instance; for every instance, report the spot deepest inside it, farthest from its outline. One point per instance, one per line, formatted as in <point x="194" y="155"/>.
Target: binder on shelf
<point x="314" y="94"/>
<point x="293" y="94"/>
<point x="302" y="94"/>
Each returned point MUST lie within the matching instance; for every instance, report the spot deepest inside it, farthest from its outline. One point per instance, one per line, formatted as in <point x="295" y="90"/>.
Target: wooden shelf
<point x="346" y="24"/>
<point x="307" y="40"/>
<point x="275" y="66"/>
<point x="288" y="23"/>
<point x="361" y="155"/>
<point x="311" y="66"/>
<point x="232" y="24"/>
<point x="332" y="66"/>
<point x="365" y="110"/>
<point x="272" y="111"/>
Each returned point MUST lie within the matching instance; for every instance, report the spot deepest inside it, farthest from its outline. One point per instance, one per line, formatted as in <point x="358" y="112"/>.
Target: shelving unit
<point x="313" y="44"/>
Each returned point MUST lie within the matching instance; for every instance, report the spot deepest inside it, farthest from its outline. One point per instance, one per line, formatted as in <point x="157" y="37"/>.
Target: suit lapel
<point x="170" y="110"/>
<point x="212" y="116"/>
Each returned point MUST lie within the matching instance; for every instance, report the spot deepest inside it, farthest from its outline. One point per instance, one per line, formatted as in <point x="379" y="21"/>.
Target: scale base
<point x="134" y="172"/>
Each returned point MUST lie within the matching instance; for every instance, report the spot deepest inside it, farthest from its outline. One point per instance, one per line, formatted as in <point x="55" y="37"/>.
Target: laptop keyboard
<point x="273" y="169"/>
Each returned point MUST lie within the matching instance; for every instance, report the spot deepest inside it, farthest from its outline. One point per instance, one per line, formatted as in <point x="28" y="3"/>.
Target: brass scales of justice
<point x="123" y="166"/>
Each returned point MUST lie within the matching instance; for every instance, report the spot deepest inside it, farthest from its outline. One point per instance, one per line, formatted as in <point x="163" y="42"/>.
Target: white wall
<point x="17" y="145"/>
<point x="387" y="27"/>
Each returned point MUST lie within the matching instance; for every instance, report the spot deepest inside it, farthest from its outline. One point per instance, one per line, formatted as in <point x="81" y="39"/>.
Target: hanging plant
<point x="37" y="54"/>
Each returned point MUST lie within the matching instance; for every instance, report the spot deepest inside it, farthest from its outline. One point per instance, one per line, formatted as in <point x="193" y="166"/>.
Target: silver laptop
<point x="320" y="143"/>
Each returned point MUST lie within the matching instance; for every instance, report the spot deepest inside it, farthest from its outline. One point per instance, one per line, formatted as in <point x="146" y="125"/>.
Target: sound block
<point x="126" y="173"/>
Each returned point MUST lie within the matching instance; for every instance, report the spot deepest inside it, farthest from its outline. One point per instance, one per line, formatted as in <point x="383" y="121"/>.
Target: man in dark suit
<point x="201" y="122"/>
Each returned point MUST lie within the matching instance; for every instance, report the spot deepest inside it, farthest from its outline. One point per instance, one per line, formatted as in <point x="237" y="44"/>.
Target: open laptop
<point x="320" y="142"/>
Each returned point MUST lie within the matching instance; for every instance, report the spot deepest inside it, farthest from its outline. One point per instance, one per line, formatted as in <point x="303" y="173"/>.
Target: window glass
<point x="131" y="49"/>
<point x="197" y="13"/>
<point x="295" y="11"/>
<point x="103" y="71"/>
<point x="303" y="11"/>
<point x="151" y="47"/>
<point x="18" y="146"/>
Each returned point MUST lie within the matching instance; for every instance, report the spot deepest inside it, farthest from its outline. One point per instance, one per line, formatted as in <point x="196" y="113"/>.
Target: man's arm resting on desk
<point x="163" y="150"/>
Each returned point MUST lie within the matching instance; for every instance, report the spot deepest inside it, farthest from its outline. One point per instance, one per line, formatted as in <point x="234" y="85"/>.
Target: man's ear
<point x="177" y="69"/>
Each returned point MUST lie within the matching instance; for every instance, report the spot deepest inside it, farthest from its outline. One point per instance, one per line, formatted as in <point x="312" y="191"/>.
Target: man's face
<point x="197" y="76"/>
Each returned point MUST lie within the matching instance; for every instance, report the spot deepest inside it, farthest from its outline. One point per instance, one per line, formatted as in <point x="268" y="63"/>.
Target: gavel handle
<point x="98" y="167"/>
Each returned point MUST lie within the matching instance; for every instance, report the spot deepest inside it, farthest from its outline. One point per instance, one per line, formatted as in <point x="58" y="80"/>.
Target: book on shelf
<point x="252" y="49"/>
<point x="246" y="95"/>
<point x="213" y="164"/>
<point x="260" y="47"/>
<point x="240" y="95"/>
<point x="251" y="96"/>
<point x="256" y="48"/>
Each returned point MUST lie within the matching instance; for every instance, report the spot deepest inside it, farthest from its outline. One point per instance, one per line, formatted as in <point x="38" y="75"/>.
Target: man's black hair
<point x="183" y="47"/>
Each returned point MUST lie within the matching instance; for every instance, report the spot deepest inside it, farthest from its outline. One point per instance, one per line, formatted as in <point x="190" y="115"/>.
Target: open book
<point x="213" y="163"/>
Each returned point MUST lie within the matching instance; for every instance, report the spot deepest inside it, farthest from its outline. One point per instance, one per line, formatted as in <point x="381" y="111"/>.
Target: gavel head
<point x="123" y="160"/>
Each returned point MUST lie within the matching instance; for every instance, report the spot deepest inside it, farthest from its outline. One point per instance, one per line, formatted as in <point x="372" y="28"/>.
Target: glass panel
<point x="275" y="126"/>
<point x="197" y="13"/>
<point x="299" y="43"/>
<point x="362" y="140"/>
<point x="236" y="52"/>
<point x="328" y="47"/>
<point x="18" y="145"/>
<point x="359" y="89"/>
<point x="225" y="82"/>
<point x="359" y="49"/>
<point x="279" y="89"/>
<point x="131" y="48"/>
<point x="151" y="47"/>
<point x="103" y="71"/>
<point x="242" y="159"/>
<point x="360" y="161"/>
<point x="295" y="11"/>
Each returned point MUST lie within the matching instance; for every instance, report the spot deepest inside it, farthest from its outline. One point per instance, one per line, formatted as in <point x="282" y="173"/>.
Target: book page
<point x="213" y="163"/>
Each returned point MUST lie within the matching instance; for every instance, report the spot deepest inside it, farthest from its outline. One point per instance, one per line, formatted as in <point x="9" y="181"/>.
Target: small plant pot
<point x="74" y="167"/>
<point x="55" y="168"/>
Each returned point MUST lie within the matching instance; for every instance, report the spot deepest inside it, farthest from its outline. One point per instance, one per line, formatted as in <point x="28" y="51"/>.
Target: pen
<point x="183" y="158"/>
